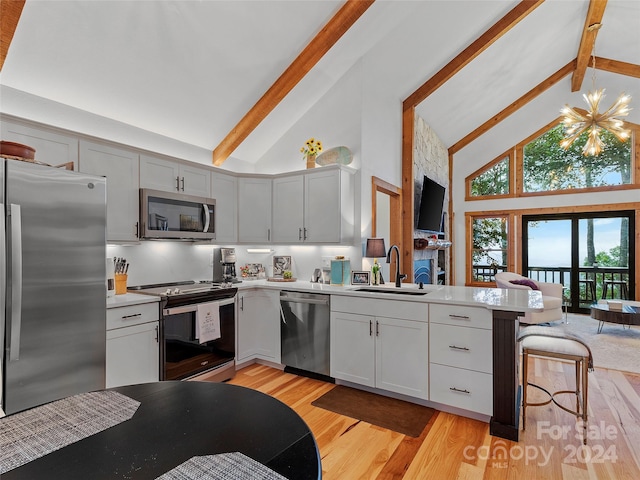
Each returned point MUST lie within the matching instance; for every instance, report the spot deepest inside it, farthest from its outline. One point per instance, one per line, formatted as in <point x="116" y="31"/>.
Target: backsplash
<point x="162" y="262"/>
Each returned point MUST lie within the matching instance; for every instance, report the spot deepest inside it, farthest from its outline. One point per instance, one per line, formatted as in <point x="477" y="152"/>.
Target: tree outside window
<point x="547" y="166"/>
<point x="489" y="251"/>
<point x="492" y="181"/>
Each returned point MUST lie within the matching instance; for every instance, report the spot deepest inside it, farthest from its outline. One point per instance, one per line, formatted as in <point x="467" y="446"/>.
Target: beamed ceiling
<point x="233" y="76"/>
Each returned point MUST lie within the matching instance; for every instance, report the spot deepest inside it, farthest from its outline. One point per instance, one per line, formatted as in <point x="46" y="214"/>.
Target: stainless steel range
<point x="183" y="354"/>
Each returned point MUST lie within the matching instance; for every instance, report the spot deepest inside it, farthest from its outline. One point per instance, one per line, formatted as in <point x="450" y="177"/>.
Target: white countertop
<point x="491" y="298"/>
<point x="130" y="299"/>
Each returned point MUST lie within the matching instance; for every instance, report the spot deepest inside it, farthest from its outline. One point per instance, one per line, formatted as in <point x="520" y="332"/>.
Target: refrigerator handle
<point x="16" y="281"/>
<point x="3" y="279"/>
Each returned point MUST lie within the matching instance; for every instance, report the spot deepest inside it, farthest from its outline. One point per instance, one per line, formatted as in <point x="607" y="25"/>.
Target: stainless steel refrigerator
<point x="52" y="283"/>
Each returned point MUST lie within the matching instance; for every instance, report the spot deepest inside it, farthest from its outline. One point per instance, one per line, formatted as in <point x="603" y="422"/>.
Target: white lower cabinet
<point x="133" y="349"/>
<point x="462" y="388"/>
<point x="461" y="368"/>
<point x="258" y="325"/>
<point x="378" y="351"/>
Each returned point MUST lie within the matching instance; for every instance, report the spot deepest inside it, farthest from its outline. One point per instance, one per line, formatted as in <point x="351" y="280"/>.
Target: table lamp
<point x="375" y="249"/>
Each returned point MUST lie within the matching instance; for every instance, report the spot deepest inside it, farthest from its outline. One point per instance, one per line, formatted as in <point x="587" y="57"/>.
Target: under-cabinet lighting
<point x="259" y="250"/>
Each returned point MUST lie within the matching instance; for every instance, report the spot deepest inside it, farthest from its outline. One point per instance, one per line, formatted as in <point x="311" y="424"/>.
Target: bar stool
<point x="545" y="342"/>
<point x="589" y="289"/>
<point x="624" y="290"/>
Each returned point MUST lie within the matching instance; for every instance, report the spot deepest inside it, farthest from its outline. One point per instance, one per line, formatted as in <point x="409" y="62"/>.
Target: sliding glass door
<point x="592" y="255"/>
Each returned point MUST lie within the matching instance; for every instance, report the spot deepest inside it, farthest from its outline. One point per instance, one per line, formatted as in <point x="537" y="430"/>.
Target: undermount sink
<point x="401" y="291"/>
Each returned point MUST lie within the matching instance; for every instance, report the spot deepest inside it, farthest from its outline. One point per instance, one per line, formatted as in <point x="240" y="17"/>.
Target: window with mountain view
<point x="548" y="167"/>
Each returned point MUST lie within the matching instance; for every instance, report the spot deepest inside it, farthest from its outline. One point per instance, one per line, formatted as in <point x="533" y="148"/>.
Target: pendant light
<point x="594" y="122"/>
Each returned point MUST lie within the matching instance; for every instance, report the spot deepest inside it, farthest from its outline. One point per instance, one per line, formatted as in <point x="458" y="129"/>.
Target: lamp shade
<point x="375" y="248"/>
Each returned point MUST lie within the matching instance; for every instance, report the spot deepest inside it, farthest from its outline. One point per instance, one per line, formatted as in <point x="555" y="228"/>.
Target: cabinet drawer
<point x="132" y="315"/>
<point x="462" y="347"/>
<point x="461" y="388"/>
<point x="381" y="308"/>
<point x="475" y="317"/>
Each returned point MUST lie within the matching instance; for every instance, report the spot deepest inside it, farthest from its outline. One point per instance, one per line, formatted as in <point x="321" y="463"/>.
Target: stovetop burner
<point x="187" y="292"/>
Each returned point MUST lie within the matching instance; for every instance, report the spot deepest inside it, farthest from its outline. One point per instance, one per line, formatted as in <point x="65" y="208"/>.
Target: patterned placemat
<point x="36" y="432"/>
<point x="224" y="466"/>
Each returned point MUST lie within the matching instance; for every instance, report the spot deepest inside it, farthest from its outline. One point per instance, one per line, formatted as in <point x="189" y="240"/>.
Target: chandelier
<point x="592" y="121"/>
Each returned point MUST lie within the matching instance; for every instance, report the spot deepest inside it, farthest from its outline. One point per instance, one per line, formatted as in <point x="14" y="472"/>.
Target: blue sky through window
<point x="550" y="241"/>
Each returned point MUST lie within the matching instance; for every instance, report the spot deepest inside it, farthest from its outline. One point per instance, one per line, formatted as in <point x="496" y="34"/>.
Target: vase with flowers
<point x="309" y="151"/>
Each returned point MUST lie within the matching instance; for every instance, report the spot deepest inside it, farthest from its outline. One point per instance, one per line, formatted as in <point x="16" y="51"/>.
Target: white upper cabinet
<point x="314" y="207"/>
<point x="120" y="167"/>
<point x="288" y="209"/>
<point x="51" y="147"/>
<point x="224" y="189"/>
<point x="171" y="176"/>
<point x="254" y="209"/>
<point x="329" y="205"/>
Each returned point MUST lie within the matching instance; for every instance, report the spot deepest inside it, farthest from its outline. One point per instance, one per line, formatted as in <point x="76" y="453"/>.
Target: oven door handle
<point x="194" y="306"/>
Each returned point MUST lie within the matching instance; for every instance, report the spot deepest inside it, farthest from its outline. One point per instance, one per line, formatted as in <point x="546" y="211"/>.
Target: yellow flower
<point x="312" y="147"/>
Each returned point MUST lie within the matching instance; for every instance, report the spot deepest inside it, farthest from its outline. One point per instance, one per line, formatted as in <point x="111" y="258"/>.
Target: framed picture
<point x="280" y="264"/>
<point x="359" y="278"/>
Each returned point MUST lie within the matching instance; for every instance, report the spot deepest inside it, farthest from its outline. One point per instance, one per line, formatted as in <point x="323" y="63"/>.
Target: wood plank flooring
<point x="453" y="447"/>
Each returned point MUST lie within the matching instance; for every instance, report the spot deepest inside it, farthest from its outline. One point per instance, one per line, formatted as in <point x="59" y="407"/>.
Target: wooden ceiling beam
<point x="515" y="106"/>
<point x="616" y="66"/>
<point x="588" y="40"/>
<point x="348" y="14"/>
<point x="10" y="11"/>
<point x="506" y="23"/>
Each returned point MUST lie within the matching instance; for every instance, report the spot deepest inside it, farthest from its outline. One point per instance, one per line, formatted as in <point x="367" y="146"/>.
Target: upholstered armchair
<point x="551" y="296"/>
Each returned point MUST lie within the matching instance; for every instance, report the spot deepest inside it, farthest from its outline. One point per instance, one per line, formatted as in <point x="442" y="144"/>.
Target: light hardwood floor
<point x="453" y="447"/>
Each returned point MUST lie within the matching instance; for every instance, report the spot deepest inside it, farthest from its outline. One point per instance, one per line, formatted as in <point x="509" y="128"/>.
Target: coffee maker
<point x="224" y="265"/>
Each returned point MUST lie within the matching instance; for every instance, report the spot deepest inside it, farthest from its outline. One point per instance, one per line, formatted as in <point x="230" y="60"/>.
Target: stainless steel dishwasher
<point x="304" y="331"/>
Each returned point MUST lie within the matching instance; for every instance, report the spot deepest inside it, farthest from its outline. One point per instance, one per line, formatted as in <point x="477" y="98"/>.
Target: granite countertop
<point x="491" y="298"/>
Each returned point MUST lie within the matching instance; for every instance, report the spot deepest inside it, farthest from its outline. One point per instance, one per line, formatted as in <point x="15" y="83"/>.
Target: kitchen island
<point x="484" y="385"/>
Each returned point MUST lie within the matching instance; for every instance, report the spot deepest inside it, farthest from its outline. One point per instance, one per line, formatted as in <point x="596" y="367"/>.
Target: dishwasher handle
<point x="313" y="301"/>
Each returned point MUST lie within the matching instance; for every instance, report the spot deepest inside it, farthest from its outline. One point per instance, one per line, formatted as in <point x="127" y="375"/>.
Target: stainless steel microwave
<point x="167" y="215"/>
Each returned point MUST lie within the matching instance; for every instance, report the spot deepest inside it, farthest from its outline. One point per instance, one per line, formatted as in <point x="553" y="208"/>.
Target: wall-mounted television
<point x="430" y="217"/>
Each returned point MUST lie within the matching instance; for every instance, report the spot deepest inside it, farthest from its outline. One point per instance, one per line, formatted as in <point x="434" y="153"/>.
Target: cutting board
<point x="278" y="279"/>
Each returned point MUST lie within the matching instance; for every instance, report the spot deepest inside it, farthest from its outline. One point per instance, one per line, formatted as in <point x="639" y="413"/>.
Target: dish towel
<point x="208" y="321"/>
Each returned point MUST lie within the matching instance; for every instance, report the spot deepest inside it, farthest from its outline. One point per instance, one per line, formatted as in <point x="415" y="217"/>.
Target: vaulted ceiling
<point x="192" y="70"/>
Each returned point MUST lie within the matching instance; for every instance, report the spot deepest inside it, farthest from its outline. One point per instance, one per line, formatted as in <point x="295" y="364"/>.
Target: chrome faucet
<point x="399" y="277"/>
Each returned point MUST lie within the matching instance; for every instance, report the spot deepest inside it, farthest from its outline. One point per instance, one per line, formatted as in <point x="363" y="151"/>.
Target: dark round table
<point x="179" y="420"/>
<point x="629" y="315"/>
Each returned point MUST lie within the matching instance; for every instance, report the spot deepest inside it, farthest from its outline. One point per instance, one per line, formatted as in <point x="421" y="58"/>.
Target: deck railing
<point x="591" y="280"/>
